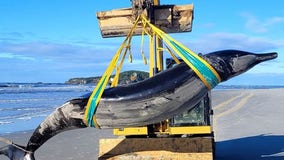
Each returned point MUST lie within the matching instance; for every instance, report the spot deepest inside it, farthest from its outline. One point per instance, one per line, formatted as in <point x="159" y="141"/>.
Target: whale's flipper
<point x="14" y="151"/>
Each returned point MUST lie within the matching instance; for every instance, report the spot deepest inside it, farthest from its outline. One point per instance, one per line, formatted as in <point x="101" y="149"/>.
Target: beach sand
<point x="247" y="123"/>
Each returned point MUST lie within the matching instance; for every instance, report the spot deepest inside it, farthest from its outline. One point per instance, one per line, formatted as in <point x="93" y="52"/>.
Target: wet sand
<point x="247" y="123"/>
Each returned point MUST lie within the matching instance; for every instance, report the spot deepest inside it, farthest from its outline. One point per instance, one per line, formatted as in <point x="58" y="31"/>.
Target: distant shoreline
<point x="248" y="86"/>
<point x="19" y="84"/>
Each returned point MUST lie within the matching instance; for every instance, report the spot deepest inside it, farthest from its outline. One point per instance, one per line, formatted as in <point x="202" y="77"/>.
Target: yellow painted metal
<point x="190" y="130"/>
<point x="130" y="131"/>
<point x="152" y="56"/>
<point x="156" y="2"/>
<point x="164" y="130"/>
<point x="159" y="54"/>
<point x="142" y="49"/>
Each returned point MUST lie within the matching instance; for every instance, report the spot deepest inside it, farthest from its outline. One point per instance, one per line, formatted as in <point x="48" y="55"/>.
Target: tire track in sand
<point x="233" y="109"/>
<point x="224" y="104"/>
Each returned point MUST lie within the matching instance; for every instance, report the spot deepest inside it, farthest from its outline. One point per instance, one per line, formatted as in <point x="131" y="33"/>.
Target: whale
<point x="168" y="93"/>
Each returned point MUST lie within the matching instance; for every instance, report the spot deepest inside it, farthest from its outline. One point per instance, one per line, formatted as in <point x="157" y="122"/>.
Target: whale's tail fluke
<point x="266" y="56"/>
<point x="14" y="151"/>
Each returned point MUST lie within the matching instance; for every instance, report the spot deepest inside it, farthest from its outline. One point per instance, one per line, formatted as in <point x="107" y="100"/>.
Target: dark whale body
<point x="168" y="93"/>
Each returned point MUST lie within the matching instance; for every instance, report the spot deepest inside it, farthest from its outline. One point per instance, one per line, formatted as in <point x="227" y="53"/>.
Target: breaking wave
<point x="24" y="105"/>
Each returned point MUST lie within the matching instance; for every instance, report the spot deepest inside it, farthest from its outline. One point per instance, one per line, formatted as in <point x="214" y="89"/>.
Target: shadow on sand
<point x="262" y="147"/>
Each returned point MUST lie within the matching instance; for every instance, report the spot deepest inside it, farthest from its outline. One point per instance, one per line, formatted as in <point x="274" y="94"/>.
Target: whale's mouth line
<point x="266" y="56"/>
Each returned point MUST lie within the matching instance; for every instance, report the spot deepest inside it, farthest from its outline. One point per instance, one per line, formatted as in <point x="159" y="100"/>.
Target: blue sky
<point x="54" y="40"/>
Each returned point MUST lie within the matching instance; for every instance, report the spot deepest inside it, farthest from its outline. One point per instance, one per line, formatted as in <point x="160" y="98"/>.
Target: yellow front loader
<point x="186" y="136"/>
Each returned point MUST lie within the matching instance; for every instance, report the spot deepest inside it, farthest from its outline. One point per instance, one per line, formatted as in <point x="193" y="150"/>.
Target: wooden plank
<point x="171" y="19"/>
<point x="156" y="148"/>
<point x="161" y="155"/>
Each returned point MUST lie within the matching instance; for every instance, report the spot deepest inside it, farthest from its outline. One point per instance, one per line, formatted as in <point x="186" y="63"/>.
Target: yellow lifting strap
<point x="89" y="115"/>
<point x="204" y="71"/>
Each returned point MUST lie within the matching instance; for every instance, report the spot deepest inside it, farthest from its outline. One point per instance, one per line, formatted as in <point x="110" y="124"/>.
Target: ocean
<point x="23" y="106"/>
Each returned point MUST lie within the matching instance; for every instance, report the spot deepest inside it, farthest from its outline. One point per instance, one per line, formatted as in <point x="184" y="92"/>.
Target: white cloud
<point x="15" y="36"/>
<point x="260" y="26"/>
<point x="221" y="40"/>
<point x="73" y="60"/>
<point x="16" y="56"/>
<point x="57" y="51"/>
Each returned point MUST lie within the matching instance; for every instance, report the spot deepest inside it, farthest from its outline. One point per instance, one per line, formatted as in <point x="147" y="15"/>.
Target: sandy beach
<point x="247" y="123"/>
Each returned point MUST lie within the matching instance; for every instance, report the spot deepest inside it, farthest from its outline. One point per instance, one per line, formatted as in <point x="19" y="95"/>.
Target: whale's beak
<point x="266" y="56"/>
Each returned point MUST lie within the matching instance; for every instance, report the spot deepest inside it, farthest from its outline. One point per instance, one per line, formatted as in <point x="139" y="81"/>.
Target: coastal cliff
<point x="124" y="78"/>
